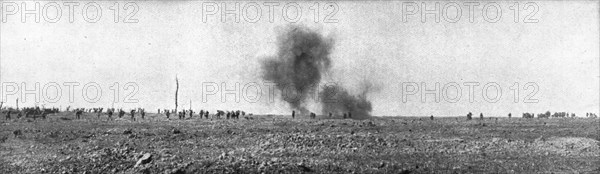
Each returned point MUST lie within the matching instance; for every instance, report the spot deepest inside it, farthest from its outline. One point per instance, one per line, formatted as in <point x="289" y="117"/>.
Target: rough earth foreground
<point x="278" y="144"/>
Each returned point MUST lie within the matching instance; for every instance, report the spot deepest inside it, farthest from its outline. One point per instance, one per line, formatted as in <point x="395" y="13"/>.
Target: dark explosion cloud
<point x="297" y="69"/>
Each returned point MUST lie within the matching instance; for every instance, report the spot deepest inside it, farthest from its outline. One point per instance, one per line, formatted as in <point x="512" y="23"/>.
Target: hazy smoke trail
<point x="301" y="60"/>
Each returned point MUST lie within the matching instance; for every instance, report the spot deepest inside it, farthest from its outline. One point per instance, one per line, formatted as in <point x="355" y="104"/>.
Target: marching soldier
<point x="132" y="114"/>
<point x="293" y="114"/>
<point x="110" y="113"/>
<point x="78" y="114"/>
<point x="121" y="113"/>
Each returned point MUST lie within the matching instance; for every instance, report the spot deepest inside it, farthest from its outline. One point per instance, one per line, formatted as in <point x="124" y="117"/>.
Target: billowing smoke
<point x="338" y="101"/>
<point x="301" y="61"/>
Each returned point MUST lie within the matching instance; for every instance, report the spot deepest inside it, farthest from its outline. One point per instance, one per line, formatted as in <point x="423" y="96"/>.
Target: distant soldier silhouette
<point x="206" y="114"/>
<point x="201" y="113"/>
<point x="344" y="116"/>
<point x="110" y="113"/>
<point x="349" y="114"/>
<point x="132" y="114"/>
<point x="509" y="115"/>
<point x="431" y="117"/>
<point x="469" y="116"/>
<point x="8" y="115"/>
<point x="481" y="116"/>
<point x="158" y="111"/>
<point x="78" y="114"/>
<point x="191" y="113"/>
<point x="121" y="113"/>
<point x="143" y="113"/>
<point x="293" y="114"/>
<point x="167" y="113"/>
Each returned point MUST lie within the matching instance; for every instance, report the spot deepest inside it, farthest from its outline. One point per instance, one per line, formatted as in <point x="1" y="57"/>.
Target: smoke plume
<point x="302" y="59"/>
<point x="337" y="100"/>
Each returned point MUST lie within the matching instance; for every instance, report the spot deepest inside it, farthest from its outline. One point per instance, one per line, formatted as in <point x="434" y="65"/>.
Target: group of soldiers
<point x="206" y="114"/>
<point x="313" y="115"/>
<point x="110" y="112"/>
<point x="470" y="116"/>
<point x="30" y="112"/>
<point x="183" y="113"/>
<point x="142" y="113"/>
<point x="591" y="115"/>
<point x="547" y="114"/>
<point x="35" y="112"/>
<point x="231" y="114"/>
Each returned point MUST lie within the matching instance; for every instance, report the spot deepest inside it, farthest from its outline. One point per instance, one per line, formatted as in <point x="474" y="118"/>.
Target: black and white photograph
<point x="392" y="86"/>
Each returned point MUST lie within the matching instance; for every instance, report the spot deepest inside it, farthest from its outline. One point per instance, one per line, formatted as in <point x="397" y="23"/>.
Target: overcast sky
<point x="558" y="51"/>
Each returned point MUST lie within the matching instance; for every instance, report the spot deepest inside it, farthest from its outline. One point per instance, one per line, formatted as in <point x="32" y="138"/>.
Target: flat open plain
<point x="279" y="144"/>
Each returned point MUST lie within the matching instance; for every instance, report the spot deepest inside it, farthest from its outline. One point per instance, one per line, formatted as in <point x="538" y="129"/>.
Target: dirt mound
<point x="569" y="146"/>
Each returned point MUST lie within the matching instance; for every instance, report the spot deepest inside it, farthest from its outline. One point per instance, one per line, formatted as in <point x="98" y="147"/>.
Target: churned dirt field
<point x="279" y="144"/>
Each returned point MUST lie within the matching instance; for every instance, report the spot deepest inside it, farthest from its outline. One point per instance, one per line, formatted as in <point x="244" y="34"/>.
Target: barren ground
<point x="279" y="144"/>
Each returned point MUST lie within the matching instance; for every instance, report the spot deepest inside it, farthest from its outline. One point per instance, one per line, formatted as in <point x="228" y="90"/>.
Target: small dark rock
<point x="304" y="168"/>
<point x="128" y="131"/>
<point x="176" y="131"/>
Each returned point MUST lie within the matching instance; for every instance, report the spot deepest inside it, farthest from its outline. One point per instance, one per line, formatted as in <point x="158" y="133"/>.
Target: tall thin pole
<point x="176" y="91"/>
